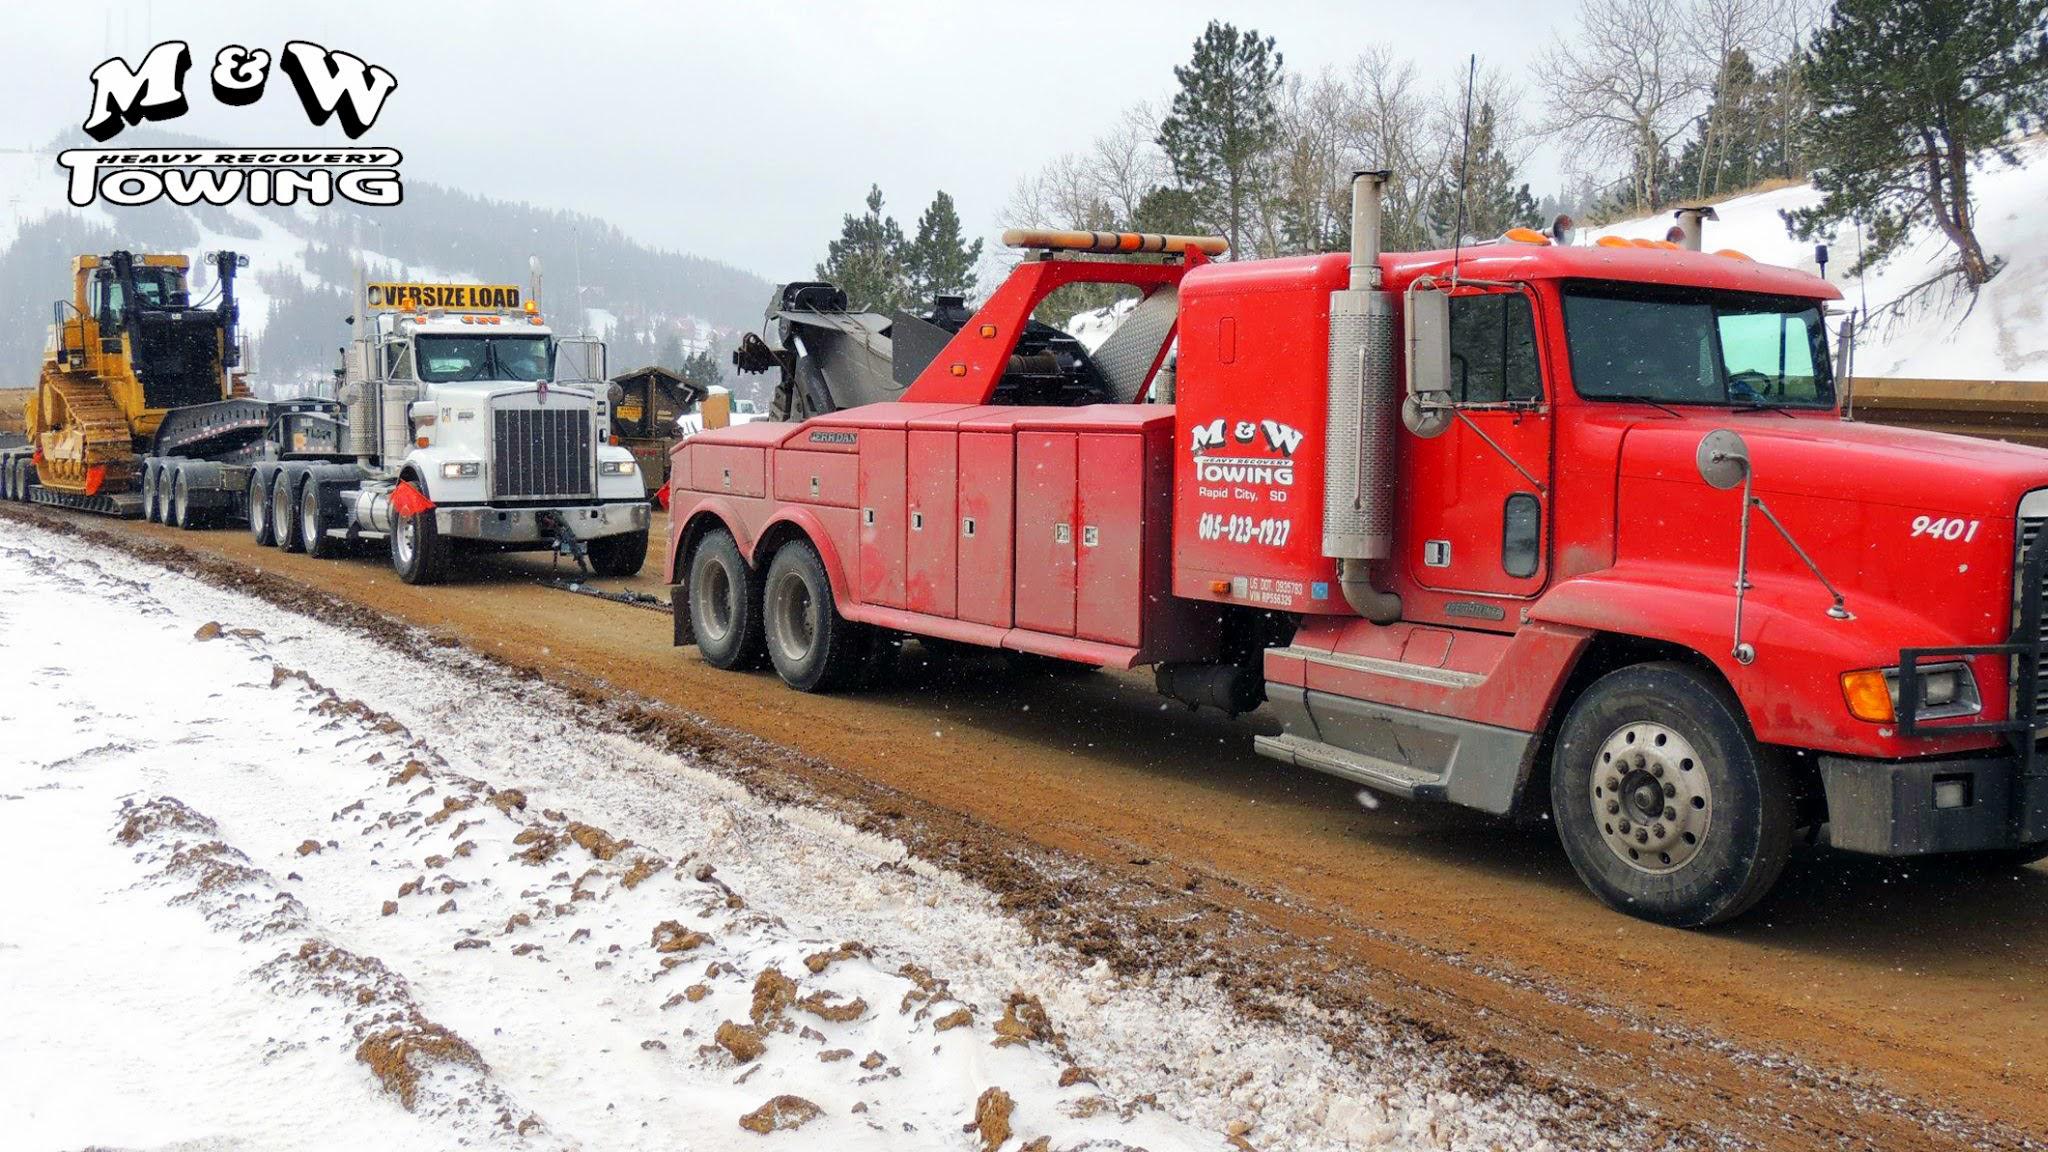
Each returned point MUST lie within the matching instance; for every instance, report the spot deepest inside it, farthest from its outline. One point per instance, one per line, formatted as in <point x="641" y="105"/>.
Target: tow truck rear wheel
<point x="813" y="647"/>
<point x="1667" y="806"/>
<point x="617" y="556"/>
<point x="724" y="603"/>
<point x="418" y="554"/>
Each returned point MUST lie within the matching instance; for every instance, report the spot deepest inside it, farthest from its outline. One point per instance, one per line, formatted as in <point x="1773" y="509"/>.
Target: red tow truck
<point x="1522" y="527"/>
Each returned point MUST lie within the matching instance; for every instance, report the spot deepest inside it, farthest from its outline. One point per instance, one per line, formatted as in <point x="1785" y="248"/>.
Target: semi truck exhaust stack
<point x="1692" y="226"/>
<point x="1358" y="514"/>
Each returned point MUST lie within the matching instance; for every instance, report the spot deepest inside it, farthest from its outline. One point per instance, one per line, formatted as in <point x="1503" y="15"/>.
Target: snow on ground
<point x="281" y="887"/>
<point x="2001" y="338"/>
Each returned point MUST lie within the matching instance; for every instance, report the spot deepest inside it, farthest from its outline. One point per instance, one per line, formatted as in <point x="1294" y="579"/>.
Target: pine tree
<point x="1493" y="201"/>
<point x="867" y="259"/>
<point x="1910" y="95"/>
<point x="704" y="367"/>
<point x="1225" y="121"/>
<point x="937" y="263"/>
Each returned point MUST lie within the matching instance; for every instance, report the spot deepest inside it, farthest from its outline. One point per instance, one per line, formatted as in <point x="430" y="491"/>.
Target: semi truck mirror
<point x="1723" y="459"/>
<point x="1426" y="411"/>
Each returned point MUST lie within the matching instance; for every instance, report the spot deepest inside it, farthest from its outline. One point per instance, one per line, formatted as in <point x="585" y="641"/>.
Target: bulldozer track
<point x="91" y="433"/>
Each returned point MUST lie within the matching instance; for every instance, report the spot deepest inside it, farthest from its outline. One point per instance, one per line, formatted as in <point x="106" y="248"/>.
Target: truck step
<point x="125" y="505"/>
<point x="1357" y="767"/>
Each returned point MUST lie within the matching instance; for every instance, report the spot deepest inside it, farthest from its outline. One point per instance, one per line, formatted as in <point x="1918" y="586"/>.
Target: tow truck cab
<point x="1518" y="526"/>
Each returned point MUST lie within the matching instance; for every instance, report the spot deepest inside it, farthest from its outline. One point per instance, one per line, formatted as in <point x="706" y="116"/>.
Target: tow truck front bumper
<point x="1922" y="807"/>
<point x="1962" y="804"/>
<point x="529" y="525"/>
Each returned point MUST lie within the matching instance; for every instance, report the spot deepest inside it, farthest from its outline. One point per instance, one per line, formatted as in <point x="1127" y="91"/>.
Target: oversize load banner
<point x="448" y="297"/>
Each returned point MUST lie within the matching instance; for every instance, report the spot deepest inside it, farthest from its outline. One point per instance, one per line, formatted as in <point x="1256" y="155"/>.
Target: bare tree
<point x="1126" y="164"/>
<point x="1719" y="34"/>
<point x="1388" y="127"/>
<point x="1308" y="210"/>
<point x="1624" y="82"/>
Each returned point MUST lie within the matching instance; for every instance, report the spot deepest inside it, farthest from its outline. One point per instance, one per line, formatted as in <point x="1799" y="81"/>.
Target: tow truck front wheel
<point x="418" y="554"/>
<point x="1667" y="807"/>
<point x="813" y="647"/>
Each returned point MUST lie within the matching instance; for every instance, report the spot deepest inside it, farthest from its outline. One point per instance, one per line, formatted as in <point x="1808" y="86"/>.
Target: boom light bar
<point x="1113" y="241"/>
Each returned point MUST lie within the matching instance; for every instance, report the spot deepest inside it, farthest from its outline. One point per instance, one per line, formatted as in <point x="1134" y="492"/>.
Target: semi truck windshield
<point x="443" y="359"/>
<point x="1636" y="342"/>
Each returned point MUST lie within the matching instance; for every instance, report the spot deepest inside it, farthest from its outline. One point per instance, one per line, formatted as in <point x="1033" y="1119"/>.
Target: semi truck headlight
<point x="462" y="470"/>
<point x="1945" y="690"/>
<point x="616" y="468"/>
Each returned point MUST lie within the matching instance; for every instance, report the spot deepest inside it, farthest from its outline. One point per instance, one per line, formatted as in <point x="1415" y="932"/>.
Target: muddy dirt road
<point x="1870" y="1004"/>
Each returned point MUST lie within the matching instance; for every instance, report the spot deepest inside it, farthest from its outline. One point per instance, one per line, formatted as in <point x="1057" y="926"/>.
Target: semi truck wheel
<point x="418" y="554"/>
<point x="313" y="523"/>
<point x="284" y="510"/>
<point x="617" y="556"/>
<point x="724" y="603"/>
<point x="1666" y="806"/>
<point x="813" y="647"/>
<point x="259" y="510"/>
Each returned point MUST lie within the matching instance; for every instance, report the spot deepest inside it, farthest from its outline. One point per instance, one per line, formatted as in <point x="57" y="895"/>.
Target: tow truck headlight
<point x="462" y="470"/>
<point x="616" y="468"/>
<point x="1946" y="690"/>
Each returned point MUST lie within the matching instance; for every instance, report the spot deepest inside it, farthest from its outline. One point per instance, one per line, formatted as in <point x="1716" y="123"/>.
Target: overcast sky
<point x="740" y="130"/>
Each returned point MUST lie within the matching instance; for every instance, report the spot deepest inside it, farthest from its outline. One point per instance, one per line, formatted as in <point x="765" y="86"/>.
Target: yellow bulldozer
<point x="129" y="348"/>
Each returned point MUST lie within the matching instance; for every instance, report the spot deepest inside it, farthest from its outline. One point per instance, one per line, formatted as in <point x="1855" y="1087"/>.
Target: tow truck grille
<point x="541" y="453"/>
<point x="2031" y="530"/>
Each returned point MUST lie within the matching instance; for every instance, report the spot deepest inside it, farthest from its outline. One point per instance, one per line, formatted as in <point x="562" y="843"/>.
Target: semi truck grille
<point x="541" y="453"/>
<point x="2031" y="530"/>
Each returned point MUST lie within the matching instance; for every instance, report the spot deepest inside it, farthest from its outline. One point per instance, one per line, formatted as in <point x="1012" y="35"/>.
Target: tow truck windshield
<point x="1648" y="344"/>
<point x="448" y="359"/>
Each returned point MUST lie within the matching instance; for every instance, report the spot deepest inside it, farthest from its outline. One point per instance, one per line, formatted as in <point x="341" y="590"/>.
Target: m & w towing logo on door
<point x="330" y="85"/>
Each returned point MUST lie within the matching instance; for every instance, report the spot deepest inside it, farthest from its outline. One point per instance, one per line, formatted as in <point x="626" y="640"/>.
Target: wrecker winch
<point x="1572" y="532"/>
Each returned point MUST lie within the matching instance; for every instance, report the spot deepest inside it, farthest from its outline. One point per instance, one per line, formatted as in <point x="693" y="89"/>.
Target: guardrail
<point x="2013" y="410"/>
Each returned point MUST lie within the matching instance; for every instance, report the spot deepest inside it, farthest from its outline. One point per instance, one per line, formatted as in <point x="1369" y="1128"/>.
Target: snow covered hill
<point x="2000" y="337"/>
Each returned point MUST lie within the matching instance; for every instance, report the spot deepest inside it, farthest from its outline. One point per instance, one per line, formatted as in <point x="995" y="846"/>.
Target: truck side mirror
<point x="1427" y="327"/>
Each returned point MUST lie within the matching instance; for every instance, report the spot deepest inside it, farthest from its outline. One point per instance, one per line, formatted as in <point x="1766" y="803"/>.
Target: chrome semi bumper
<point x="523" y="525"/>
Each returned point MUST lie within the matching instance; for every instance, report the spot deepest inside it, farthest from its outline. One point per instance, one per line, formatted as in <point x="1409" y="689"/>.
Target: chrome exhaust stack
<point x="1692" y="226"/>
<point x="1358" y="483"/>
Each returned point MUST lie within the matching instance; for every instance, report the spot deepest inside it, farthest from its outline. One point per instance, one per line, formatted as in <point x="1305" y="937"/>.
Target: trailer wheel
<point x="418" y="554"/>
<point x="723" y="599"/>
<point x="284" y="510"/>
<point x="152" y="472"/>
<point x="183" y="514"/>
<point x="10" y="482"/>
<point x="1667" y="807"/>
<point x="261" y="528"/>
<point x="813" y="647"/>
<point x="313" y="524"/>
<point x="617" y="556"/>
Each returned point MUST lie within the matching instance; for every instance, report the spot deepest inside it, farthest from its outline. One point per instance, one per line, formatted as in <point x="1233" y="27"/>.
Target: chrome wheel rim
<point x="281" y="510"/>
<point x="309" y="517"/>
<point x="259" y="508"/>
<point x="181" y="501"/>
<point x="150" y="511"/>
<point x="795" y="616"/>
<point x="1650" y="797"/>
<point x="716" y="604"/>
<point x="408" y="538"/>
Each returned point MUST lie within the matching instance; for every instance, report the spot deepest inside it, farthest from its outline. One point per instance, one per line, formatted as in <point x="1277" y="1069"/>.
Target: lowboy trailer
<point x="1527" y="528"/>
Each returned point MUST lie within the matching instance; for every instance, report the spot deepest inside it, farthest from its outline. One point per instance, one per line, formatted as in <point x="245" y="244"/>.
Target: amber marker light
<point x="1868" y="696"/>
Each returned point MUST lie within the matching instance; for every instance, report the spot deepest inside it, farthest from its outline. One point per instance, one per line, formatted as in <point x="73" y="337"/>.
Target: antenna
<point x="1464" y="166"/>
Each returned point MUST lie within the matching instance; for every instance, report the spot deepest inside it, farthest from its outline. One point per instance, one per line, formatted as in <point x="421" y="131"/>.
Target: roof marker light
<point x="1525" y="236"/>
<point x="1732" y="254"/>
<point x="1613" y="242"/>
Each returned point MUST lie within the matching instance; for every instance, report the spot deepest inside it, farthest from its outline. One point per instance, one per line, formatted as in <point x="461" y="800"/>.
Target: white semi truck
<point x="468" y="425"/>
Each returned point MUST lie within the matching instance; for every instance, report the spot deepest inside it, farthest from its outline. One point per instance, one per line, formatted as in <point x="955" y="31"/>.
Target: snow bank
<point x="408" y="901"/>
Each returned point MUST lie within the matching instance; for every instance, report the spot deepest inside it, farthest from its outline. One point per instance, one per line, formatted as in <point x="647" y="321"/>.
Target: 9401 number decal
<point x="1950" y="528"/>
